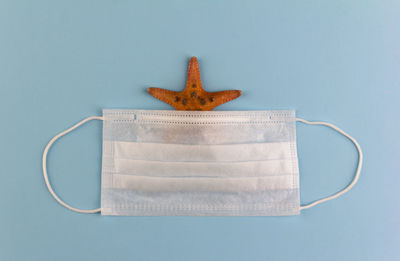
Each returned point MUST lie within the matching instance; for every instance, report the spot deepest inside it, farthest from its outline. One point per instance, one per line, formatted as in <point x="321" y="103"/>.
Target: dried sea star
<point x="194" y="97"/>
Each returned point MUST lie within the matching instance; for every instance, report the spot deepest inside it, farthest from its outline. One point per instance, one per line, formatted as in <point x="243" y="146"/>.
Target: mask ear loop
<point x="356" y="175"/>
<point x="44" y="163"/>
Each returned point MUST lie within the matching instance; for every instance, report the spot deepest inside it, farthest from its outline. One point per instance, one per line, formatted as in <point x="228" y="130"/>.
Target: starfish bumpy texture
<point x="194" y="97"/>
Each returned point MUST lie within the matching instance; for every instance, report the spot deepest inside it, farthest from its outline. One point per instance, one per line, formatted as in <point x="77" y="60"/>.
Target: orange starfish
<point x="194" y="97"/>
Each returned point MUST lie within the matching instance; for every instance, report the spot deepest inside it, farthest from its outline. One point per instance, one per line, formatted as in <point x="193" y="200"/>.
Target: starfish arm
<point x="222" y="97"/>
<point x="164" y="95"/>
<point x="193" y="78"/>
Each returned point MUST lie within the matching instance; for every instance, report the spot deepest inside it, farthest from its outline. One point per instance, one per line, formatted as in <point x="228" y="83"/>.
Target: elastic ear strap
<point x="44" y="161"/>
<point x="356" y="175"/>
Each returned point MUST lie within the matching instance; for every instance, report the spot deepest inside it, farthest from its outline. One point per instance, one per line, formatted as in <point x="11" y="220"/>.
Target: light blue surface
<point x="337" y="61"/>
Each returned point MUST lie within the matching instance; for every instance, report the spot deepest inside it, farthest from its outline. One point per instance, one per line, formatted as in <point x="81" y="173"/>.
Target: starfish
<point x="194" y="97"/>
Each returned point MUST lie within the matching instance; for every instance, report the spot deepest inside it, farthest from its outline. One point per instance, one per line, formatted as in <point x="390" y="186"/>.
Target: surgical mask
<point x="200" y="163"/>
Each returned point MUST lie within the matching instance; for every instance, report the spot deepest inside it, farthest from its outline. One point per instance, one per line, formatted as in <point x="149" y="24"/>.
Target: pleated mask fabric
<point x="199" y="163"/>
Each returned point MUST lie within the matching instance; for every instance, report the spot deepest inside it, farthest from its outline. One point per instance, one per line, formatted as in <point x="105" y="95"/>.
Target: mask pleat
<point x="195" y="184"/>
<point x="200" y="169"/>
<point x="202" y="153"/>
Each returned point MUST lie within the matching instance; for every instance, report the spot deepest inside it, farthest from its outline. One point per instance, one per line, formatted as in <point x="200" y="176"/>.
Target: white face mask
<point x="230" y="163"/>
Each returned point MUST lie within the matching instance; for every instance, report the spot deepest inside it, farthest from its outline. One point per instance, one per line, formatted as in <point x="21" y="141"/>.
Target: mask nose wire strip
<point x="356" y="175"/>
<point x="44" y="163"/>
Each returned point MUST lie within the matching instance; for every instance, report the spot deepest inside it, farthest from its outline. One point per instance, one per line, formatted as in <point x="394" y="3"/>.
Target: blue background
<point x="61" y="61"/>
